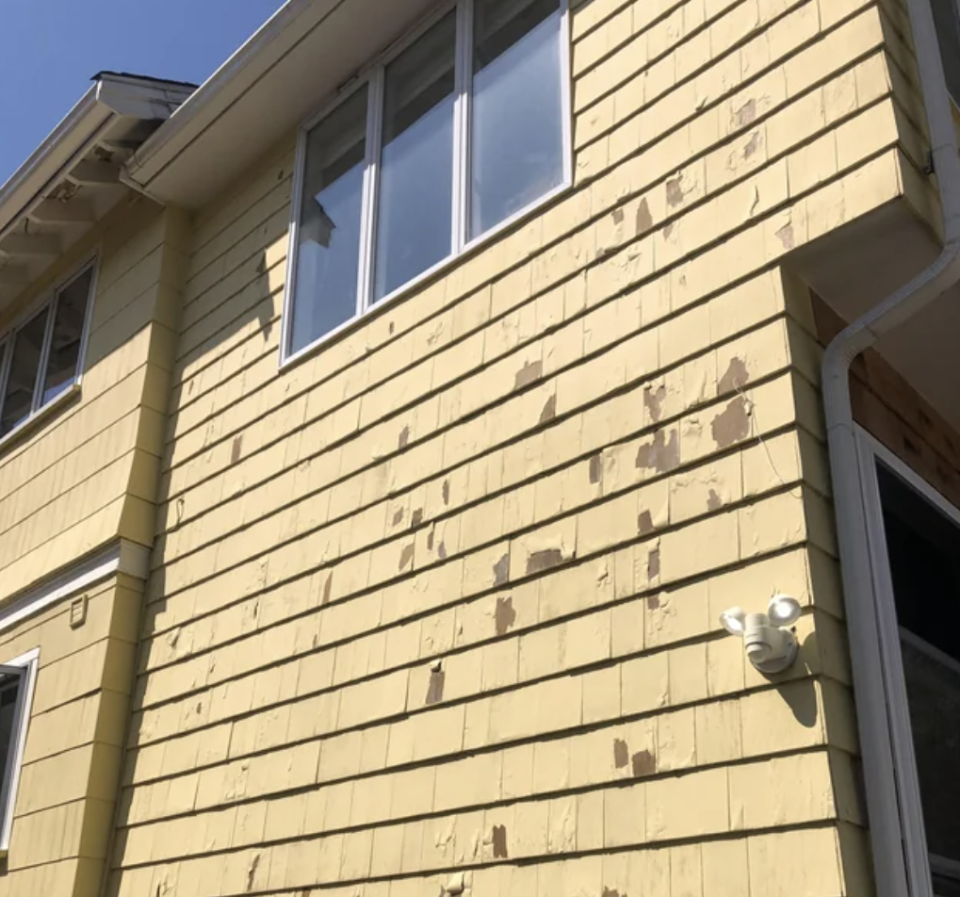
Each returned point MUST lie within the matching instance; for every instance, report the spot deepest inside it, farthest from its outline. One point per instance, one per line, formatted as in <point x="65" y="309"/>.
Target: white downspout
<point x="890" y="841"/>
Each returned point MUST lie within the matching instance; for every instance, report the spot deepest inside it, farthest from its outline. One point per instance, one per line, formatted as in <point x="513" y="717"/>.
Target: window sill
<point x="440" y="269"/>
<point x="39" y="417"/>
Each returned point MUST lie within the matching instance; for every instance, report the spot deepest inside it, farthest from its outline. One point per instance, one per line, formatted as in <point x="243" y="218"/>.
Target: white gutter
<point x="899" y="852"/>
<point x="221" y="89"/>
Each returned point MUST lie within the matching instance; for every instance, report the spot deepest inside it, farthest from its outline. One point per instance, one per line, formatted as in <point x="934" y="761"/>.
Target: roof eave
<point x="110" y="97"/>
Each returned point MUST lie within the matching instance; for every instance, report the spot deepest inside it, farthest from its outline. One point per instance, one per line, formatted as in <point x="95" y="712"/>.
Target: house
<point x="491" y="448"/>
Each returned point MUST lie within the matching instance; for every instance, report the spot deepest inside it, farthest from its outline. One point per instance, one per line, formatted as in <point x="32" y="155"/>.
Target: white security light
<point x="733" y="620"/>
<point x="783" y="610"/>
<point x="770" y="645"/>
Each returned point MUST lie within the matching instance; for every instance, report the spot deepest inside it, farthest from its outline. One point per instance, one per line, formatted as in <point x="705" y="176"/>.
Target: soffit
<point x="859" y="265"/>
<point x="74" y="177"/>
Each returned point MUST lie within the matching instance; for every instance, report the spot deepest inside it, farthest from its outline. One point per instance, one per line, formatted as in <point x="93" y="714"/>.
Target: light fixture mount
<point x="770" y="644"/>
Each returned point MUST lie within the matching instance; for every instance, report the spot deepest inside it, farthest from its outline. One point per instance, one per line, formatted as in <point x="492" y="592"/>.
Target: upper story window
<point x="465" y="128"/>
<point x="947" y="20"/>
<point x="41" y="358"/>
<point x="17" y="678"/>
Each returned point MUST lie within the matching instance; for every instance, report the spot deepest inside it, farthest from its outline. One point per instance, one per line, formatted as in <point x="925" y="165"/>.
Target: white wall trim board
<point x="120" y="557"/>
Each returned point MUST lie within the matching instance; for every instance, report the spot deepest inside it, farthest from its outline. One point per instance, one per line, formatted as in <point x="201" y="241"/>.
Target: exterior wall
<point x="66" y="799"/>
<point x="436" y="607"/>
<point x="84" y="476"/>
<point x="88" y="473"/>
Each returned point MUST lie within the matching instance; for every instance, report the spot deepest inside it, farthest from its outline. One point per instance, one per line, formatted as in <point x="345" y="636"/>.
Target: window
<point x="923" y="550"/>
<point x="17" y="679"/>
<point x="40" y="359"/>
<point x="462" y="129"/>
<point x="946" y="17"/>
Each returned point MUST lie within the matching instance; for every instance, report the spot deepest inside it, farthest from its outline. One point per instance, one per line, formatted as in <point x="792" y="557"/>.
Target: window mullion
<point x="566" y="86"/>
<point x="463" y="77"/>
<point x="371" y="188"/>
<point x="44" y="355"/>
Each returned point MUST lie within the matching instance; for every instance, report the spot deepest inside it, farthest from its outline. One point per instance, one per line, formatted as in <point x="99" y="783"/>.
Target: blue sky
<point x="49" y="49"/>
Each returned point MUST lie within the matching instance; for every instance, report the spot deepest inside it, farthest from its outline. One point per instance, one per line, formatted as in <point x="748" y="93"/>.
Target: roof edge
<point x="204" y="106"/>
<point x="109" y="97"/>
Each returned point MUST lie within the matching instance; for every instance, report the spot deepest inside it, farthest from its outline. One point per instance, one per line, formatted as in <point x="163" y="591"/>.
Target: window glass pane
<point x="328" y="237"/>
<point x="947" y="20"/>
<point x="414" y="223"/>
<point x="517" y="140"/>
<point x="9" y="691"/>
<point x="67" y="334"/>
<point x="24" y="367"/>
<point x="923" y="547"/>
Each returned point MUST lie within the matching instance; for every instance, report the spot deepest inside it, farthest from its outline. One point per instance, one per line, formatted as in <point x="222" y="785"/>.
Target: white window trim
<point x="49" y="300"/>
<point x="29" y="662"/>
<point x="888" y="698"/>
<point x="371" y="77"/>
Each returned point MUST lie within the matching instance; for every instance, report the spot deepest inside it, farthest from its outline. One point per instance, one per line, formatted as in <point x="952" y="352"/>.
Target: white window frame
<point x="372" y="77"/>
<point x="29" y="663"/>
<point x="888" y="698"/>
<point x="7" y="340"/>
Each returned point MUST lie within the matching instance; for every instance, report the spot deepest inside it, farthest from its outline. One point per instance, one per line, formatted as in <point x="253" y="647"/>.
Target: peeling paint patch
<point x="406" y="556"/>
<point x="668" y="230"/>
<point x="549" y="410"/>
<point x="252" y="871"/>
<point x="435" y="687"/>
<point x="735" y="377"/>
<point x="653" y="602"/>
<point x="430" y="540"/>
<point x="621" y="753"/>
<point x="544" y="560"/>
<point x="398" y="517"/>
<point x="417" y="517"/>
<point x="531" y="371"/>
<point x="643" y="763"/>
<point x="404" y="437"/>
<point x="714" y="502"/>
<point x="501" y="570"/>
<point x="653" y="400"/>
<point x="391" y="327"/>
<point x="610" y="892"/>
<point x="327" y="589"/>
<point x="617" y="215"/>
<point x="500" y="842"/>
<point x="596" y="469"/>
<point x="746" y="114"/>
<point x="442" y="551"/>
<point x="653" y="564"/>
<point x="236" y="448"/>
<point x="752" y="145"/>
<point x="661" y="455"/>
<point x="504" y="616"/>
<point x="445" y="491"/>
<point x="644" y="523"/>
<point x="786" y="236"/>
<point x="675" y="191"/>
<point x="732" y="425"/>
<point x="644" y="218"/>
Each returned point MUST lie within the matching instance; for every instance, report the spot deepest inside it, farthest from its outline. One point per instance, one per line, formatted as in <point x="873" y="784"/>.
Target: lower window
<point x="923" y="548"/>
<point x="41" y="358"/>
<point x="461" y="130"/>
<point x="17" y="679"/>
